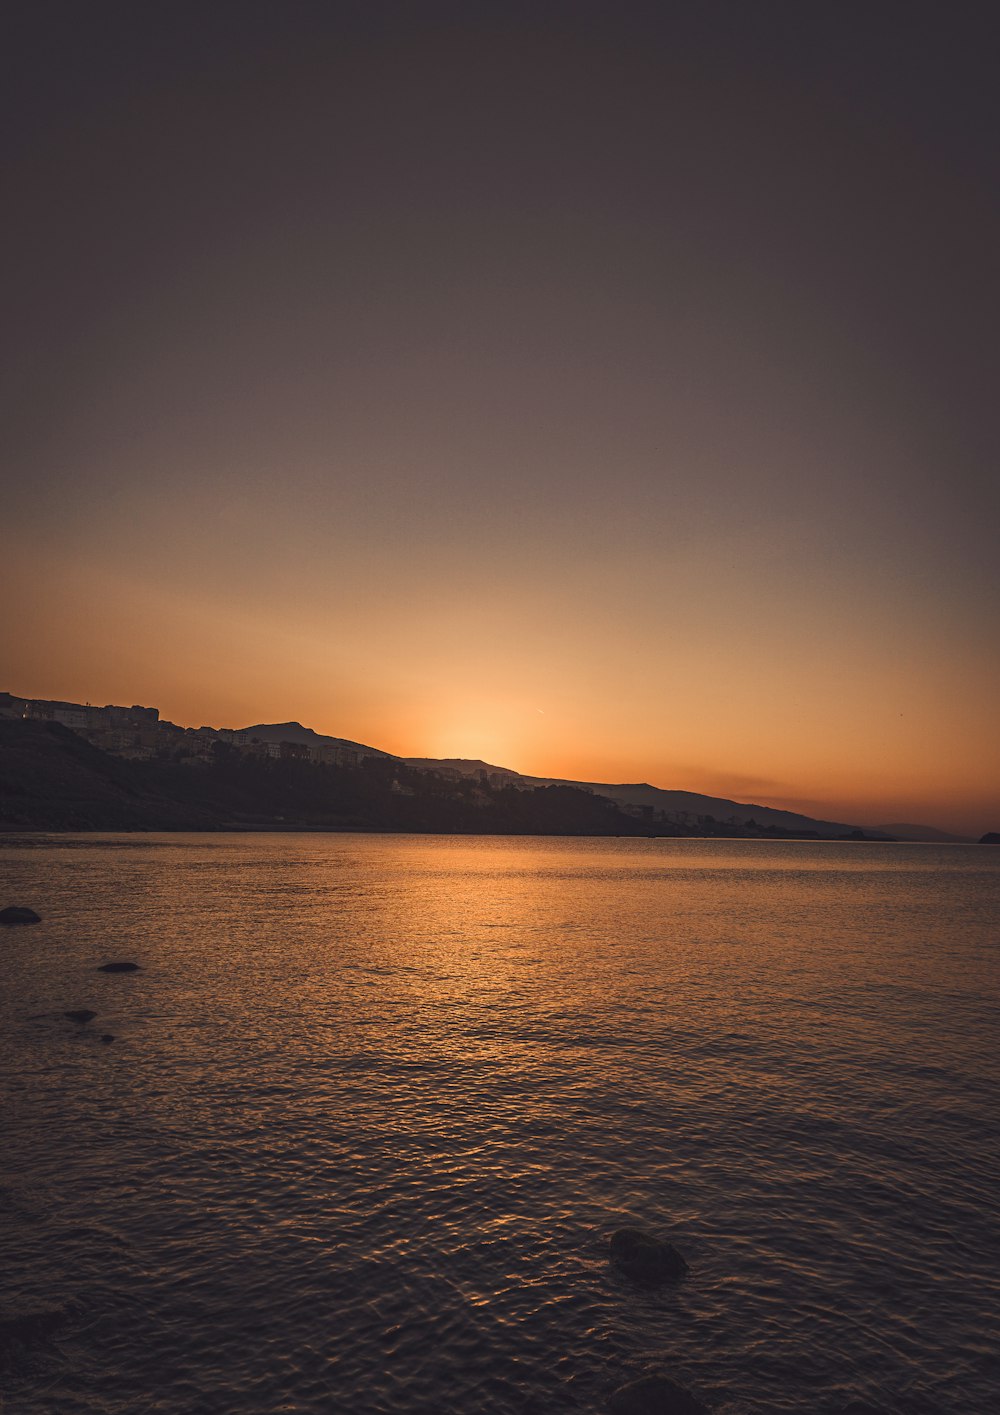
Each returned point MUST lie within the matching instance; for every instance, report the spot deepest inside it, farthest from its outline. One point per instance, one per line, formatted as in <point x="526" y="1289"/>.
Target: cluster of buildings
<point x="483" y="776"/>
<point x="139" y="734"/>
<point x="322" y="753"/>
<point x="135" y="732"/>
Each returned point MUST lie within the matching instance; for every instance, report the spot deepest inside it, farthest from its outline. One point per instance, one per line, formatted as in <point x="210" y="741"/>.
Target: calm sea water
<point x="375" y="1104"/>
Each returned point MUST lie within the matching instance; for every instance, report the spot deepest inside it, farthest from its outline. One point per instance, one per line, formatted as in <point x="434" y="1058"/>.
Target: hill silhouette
<point x="926" y="833"/>
<point x="305" y="736"/>
<point x="52" y="779"/>
<point x="687" y="810"/>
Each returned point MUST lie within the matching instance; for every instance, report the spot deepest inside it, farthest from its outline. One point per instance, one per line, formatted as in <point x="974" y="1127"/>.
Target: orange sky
<point x="783" y="703"/>
<point x="599" y="391"/>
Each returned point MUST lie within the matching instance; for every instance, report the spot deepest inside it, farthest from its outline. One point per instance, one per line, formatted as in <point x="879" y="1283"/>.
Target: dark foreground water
<point x="375" y="1104"/>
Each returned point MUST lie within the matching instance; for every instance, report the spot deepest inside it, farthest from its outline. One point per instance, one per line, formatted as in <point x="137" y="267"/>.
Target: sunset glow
<point x="499" y="759"/>
<point x="591" y="466"/>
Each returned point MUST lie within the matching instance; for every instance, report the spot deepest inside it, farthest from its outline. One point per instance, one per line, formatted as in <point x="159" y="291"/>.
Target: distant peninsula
<point x="76" y="767"/>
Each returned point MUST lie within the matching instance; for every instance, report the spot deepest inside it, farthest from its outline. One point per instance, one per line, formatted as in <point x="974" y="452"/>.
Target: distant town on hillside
<point x="139" y="734"/>
<point x="192" y="777"/>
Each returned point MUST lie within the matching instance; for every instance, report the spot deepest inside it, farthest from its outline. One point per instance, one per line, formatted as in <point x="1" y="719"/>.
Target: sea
<point x="374" y="1105"/>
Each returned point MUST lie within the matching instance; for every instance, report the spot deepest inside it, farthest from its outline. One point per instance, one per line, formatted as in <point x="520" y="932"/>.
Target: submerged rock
<point x="107" y="1039"/>
<point x="646" y="1259"/>
<point x="119" y="968"/>
<point x="655" y="1395"/>
<point x="20" y="1333"/>
<point x="18" y="914"/>
<point x="83" y="1015"/>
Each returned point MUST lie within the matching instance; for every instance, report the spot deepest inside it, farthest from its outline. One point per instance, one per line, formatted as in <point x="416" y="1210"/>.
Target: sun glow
<point x="476" y="743"/>
<point x="483" y="735"/>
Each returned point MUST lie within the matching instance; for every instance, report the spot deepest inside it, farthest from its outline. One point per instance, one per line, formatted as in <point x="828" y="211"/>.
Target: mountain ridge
<point x="925" y="834"/>
<point x="138" y="732"/>
<point x="306" y="736"/>
<point x="682" y="807"/>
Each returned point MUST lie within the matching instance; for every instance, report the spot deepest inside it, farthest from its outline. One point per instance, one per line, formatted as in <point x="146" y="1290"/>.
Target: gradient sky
<point x="604" y="390"/>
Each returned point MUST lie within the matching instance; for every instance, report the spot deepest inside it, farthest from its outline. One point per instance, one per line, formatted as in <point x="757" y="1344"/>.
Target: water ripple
<point x="375" y="1105"/>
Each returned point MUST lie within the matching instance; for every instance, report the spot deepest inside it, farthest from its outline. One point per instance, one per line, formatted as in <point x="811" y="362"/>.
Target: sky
<point x="603" y="390"/>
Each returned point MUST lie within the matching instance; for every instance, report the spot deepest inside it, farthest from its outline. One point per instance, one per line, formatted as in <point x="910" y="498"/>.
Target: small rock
<point x="17" y="914"/>
<point x="21" y="1333"/>
<point x="107" y="1039"/>
<point x="646" y="1259"/>
<point x="655" y="1395"/>
<point x="119" y="968"/>
<point x="83" y="1015"/>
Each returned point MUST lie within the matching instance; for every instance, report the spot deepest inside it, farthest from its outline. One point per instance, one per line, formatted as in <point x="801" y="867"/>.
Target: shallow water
<point x="375" y="1104"/>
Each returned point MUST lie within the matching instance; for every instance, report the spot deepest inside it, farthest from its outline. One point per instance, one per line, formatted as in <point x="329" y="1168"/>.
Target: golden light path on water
<point x="374" y="1105"/>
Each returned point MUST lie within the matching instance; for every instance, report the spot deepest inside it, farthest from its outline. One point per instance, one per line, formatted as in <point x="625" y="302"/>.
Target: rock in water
<point x="83" y="1015"/>
<point x="18" y="914"/>
<point x="119" y="968"/>
<point x="107" y="1039"/>
<point x="646" y="1259"/>
<point x="655" y="1395"/>
<point x="20" y="1333"/>
<point x="992" y="837"/>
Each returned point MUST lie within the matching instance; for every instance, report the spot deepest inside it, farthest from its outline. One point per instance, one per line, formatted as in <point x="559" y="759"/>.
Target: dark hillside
<point x="51" y="779"/>
<point x="244" y="791"/>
